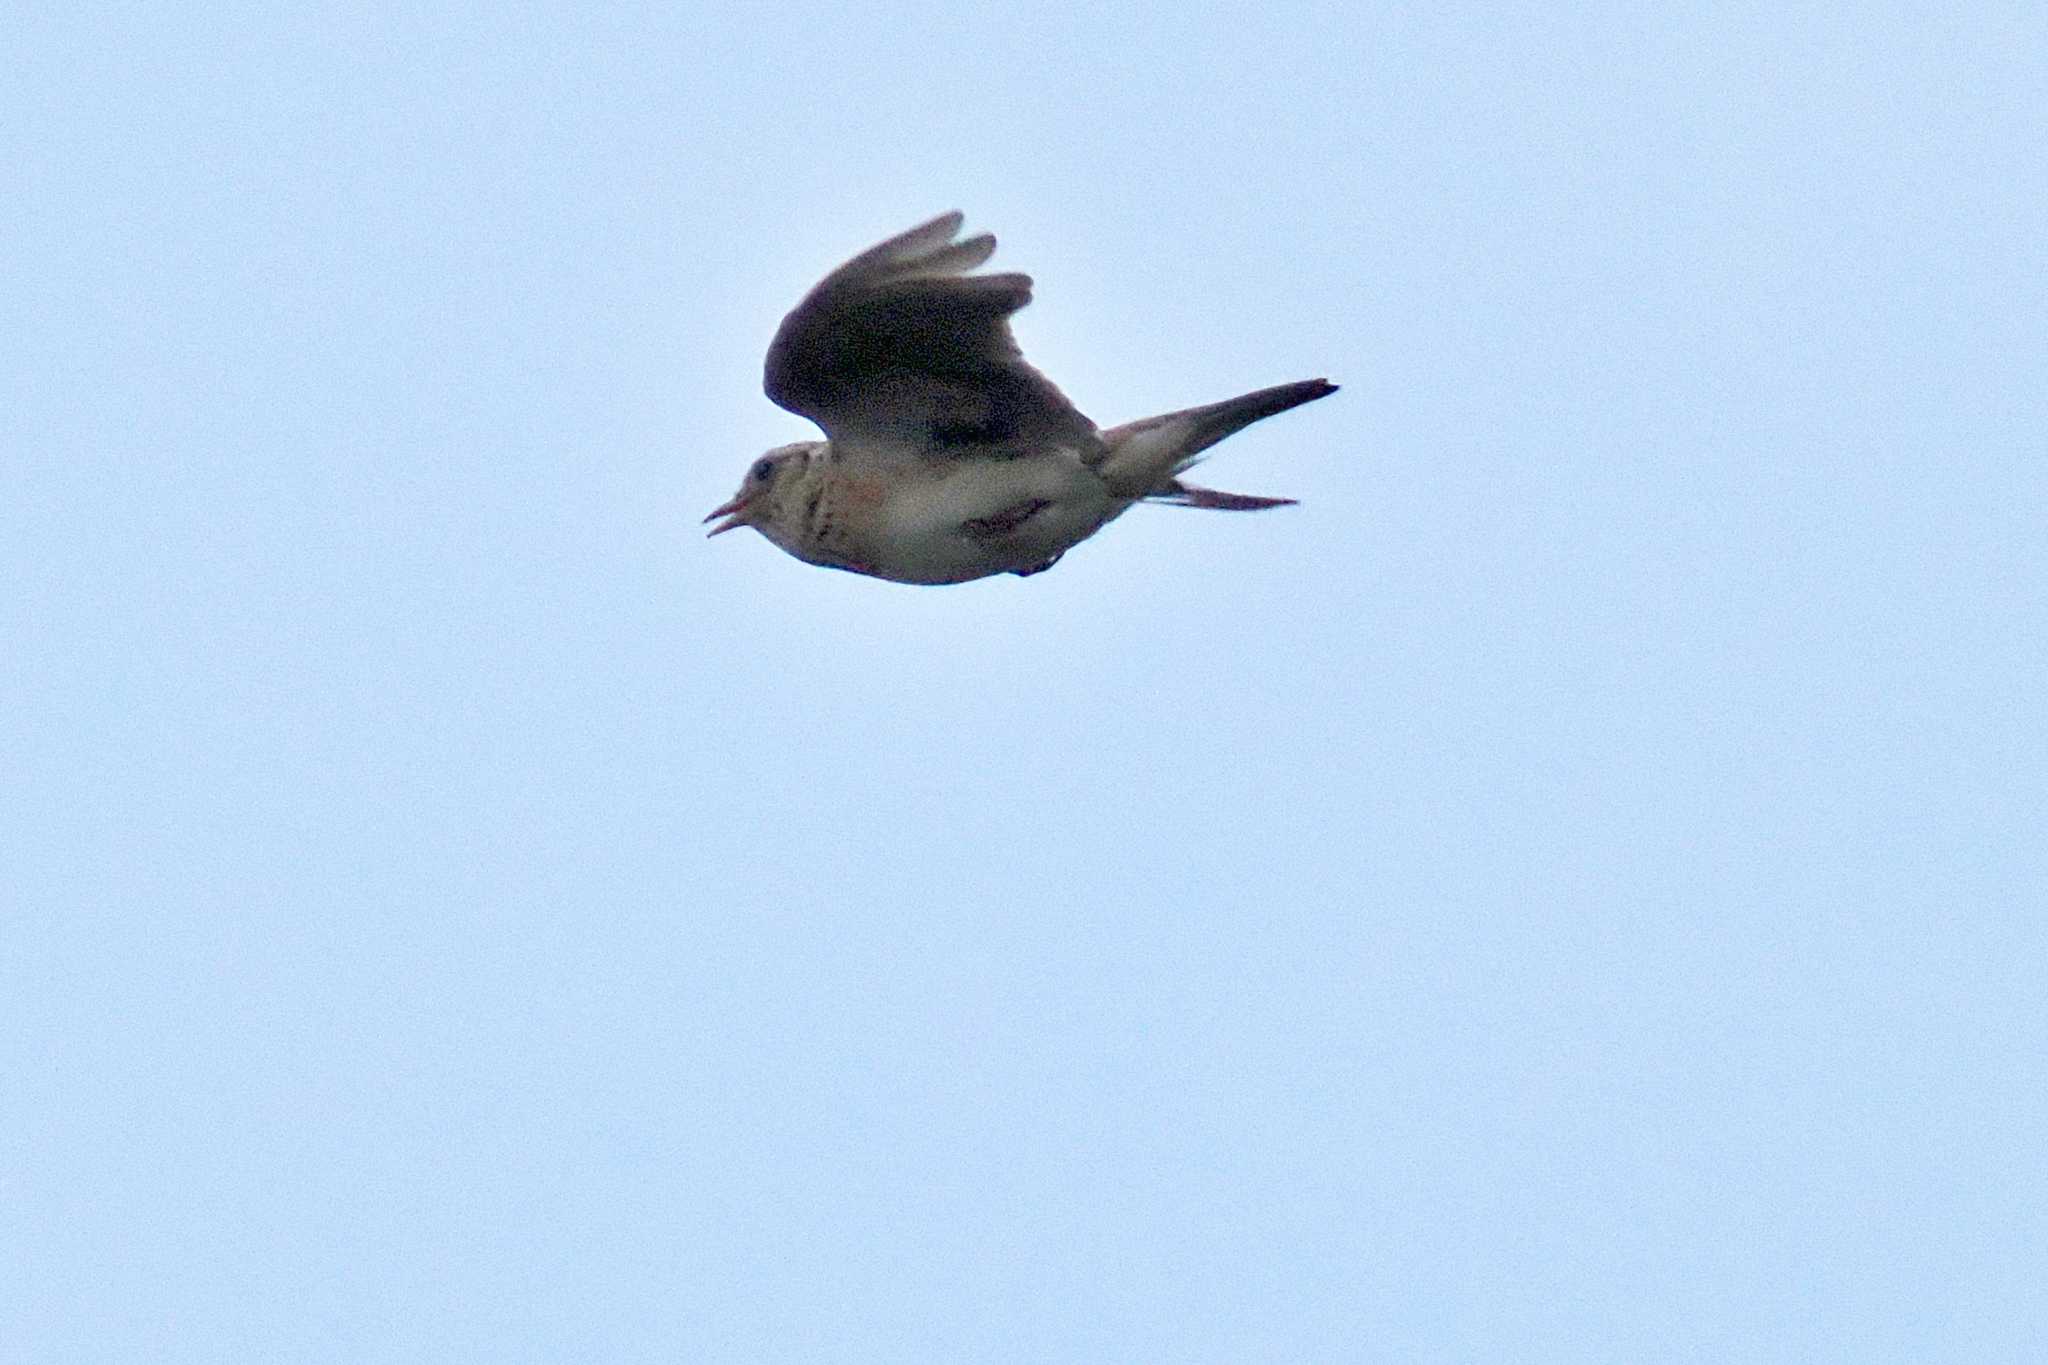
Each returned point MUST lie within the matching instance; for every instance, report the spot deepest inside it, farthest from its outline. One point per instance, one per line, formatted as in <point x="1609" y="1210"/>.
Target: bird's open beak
<point x="734" y="512"/>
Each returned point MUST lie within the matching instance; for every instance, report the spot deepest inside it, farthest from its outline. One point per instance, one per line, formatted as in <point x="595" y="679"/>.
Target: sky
<point x="1571" y="890"/>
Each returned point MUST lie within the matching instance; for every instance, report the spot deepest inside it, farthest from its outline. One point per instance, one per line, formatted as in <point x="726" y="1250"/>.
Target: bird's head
<point x="764" y="500"/>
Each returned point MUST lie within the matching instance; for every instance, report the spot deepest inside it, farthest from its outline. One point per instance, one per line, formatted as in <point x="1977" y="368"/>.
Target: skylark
<point x="947" y="457"/>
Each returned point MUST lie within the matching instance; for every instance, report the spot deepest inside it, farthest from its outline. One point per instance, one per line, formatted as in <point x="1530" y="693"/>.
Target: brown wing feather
<point x="900" y="347"/>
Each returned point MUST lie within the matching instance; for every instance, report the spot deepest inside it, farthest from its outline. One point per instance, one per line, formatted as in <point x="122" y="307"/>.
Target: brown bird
<point x="947" y="457"/>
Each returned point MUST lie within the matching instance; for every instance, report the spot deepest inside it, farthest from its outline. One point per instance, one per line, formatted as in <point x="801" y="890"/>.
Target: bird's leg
<point x="1003" y="522"/>
<point x="1038" y="568"/>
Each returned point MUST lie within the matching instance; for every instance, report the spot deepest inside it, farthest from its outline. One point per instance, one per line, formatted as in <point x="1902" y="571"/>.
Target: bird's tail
<point x="1145" y="459"/>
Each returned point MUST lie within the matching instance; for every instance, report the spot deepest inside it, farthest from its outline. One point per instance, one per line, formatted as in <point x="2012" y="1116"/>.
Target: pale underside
<point x="967" y="518"/>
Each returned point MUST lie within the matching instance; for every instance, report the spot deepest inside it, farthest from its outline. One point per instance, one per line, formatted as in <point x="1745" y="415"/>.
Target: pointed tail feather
<point x="1180" y="494"/>
<point x="1143" y="459"/>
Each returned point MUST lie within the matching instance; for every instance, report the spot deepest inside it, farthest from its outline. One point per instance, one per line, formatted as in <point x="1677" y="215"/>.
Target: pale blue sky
<point x="1570" y="891"/>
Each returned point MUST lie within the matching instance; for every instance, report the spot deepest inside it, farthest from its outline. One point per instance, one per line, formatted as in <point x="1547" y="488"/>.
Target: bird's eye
<point x="762" y="469"/>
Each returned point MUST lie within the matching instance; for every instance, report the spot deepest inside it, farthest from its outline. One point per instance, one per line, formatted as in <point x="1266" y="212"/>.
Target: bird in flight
<point x="948" y="458"/>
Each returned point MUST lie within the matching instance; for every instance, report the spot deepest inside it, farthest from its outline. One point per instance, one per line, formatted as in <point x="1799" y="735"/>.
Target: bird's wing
<point x="900" y="353"/>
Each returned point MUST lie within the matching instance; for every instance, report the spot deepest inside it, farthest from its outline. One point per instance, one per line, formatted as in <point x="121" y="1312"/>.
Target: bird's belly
<point x="957" y="525"/>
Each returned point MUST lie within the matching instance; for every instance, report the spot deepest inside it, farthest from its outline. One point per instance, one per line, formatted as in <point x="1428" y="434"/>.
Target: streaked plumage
<point x="947" y="457"/>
